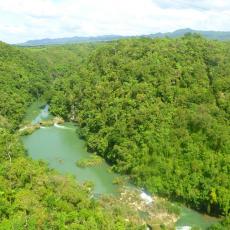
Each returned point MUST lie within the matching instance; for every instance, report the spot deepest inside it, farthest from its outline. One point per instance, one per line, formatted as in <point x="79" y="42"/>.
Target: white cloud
<point x="194" y="4"/>
<point x="21" y="20"/>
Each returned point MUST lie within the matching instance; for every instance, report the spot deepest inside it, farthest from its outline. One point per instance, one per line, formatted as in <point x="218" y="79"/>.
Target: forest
<point x="157" y="110"/>
<point x="32" y="196"/>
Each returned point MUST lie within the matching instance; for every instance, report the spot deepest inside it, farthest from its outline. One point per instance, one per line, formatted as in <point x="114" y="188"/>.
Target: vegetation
<point x="31" y="195"/>
<point x="136" y="210"/>
<point x="223" y="225"/>
<point x="121" y="180"/>
<point x="23" y="77"/>
<point x="28" y="129"/>
<point x="34" y="197"/>
<point x="92" y="161"/>
<point x="157" y="110"/>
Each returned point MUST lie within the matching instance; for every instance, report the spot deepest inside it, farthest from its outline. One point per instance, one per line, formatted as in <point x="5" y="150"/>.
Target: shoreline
<point x="30" y="128"/>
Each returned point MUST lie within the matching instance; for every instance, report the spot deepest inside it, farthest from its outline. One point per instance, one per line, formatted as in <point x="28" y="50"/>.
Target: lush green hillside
<point x="62" y="61"/>
<point x="22" y="77"/>
<point x="159" y="111"/>
<point x="31" y="195"/>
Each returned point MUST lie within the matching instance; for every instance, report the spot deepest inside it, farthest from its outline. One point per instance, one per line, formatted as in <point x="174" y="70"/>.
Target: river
<point x="61" y="147"/>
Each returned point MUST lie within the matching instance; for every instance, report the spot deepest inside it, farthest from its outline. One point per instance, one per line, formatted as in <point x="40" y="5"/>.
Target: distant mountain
<point x="71" y="40"/>
<point x="216" y="35"/>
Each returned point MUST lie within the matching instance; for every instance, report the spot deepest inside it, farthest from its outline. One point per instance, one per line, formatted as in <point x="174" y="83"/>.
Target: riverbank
<point x="143" y="210"/>
<point x="32" y="127"/>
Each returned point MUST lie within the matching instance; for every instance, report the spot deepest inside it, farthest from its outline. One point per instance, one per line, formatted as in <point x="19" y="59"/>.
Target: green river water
<point x="61" y="147"/>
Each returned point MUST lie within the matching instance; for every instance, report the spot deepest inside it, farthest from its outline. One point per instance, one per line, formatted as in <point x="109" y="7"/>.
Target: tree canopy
<point x="155" y="109"/>
<point x="31" y="195"/>
<point x="158" y="110"/>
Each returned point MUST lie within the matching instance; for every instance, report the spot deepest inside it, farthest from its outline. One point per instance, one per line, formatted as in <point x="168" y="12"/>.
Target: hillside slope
<point x="31" y="195"/>
<point x="158" y="110"/>
<point x="22" y="77"/>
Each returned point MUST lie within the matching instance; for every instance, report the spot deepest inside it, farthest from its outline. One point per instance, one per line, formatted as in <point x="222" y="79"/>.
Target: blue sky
<point x="22" y="20"/>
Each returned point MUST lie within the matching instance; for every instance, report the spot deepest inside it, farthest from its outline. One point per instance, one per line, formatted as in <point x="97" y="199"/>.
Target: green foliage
<point x="223" y="225"/>
<point x="93" y="160"/>
<point x="23" y="77"/>
<point x="31" y="195"/>
<point x="158" y="110"/>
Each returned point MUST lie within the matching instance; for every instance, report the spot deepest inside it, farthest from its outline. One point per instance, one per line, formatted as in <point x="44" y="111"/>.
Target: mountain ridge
<point x="215" y="35"/>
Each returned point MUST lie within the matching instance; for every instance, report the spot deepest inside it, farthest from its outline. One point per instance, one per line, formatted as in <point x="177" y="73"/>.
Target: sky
<point x="22" y="20"/>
